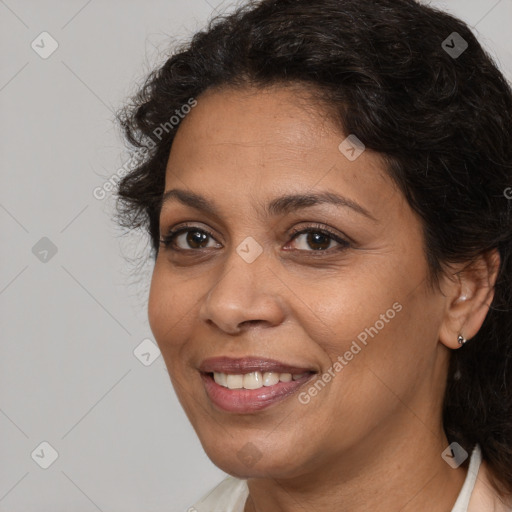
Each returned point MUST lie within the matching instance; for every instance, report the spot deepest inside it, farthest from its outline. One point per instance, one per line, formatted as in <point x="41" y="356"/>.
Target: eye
<point x="318" y="239"/>
<point x="187" y="238"/>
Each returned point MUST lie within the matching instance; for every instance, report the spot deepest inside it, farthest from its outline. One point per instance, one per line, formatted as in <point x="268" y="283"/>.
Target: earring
<point x="461" y="339"/>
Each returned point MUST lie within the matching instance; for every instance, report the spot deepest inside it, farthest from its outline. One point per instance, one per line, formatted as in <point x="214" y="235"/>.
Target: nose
<point x="246" y="294"/>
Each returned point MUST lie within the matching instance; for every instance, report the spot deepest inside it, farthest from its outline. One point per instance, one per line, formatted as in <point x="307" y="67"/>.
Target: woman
<point x="324" y="185"/>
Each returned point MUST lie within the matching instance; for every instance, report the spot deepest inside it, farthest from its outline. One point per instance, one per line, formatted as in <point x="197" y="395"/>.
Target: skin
<point x="372" y="438"/>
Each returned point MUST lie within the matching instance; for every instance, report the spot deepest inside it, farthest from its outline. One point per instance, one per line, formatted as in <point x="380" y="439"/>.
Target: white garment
<point x="461" y="505"/>
<point x="231" y="494"/>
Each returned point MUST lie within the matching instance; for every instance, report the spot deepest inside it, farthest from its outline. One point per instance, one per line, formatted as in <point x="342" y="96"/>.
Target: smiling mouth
<point x="249" y="384"/>
<point x="241" y="400"/>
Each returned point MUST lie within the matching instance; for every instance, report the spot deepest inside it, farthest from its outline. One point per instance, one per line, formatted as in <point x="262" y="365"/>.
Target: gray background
<point x="72" y="320"/>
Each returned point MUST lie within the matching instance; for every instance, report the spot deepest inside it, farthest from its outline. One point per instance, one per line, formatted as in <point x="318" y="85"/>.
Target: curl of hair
<point x="443" y="125"/>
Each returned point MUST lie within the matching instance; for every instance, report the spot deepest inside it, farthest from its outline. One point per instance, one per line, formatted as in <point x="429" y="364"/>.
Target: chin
<point x="250" y="459"/>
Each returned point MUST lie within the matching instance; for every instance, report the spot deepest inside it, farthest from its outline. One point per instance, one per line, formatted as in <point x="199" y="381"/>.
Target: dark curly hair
<point x="442" y="121"/>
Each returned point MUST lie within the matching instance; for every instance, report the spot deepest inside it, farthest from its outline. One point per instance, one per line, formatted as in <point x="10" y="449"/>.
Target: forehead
<point x="239" y="143"/>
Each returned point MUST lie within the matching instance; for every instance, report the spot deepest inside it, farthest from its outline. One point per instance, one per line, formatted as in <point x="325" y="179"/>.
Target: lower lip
<point x="250" y="400"/>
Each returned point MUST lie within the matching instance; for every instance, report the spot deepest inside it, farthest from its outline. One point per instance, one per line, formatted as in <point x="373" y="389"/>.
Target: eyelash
<point x="169" y="238"/>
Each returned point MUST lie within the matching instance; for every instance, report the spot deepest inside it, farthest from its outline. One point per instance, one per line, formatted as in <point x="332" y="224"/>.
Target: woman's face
<point x="241" y="292"/>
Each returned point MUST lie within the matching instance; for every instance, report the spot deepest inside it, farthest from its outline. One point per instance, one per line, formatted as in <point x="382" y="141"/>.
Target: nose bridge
<point x="244" y="293"/>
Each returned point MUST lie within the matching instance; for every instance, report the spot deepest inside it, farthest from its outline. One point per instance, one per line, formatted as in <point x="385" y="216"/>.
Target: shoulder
<point x="484" y="497"/>
<point x="228" y="496"/>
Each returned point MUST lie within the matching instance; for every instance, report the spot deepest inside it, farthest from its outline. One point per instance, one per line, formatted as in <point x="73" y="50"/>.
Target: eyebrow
<point x="278" y="206"/>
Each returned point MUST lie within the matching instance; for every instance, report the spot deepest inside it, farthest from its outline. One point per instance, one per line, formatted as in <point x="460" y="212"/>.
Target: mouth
<point x="249" y="385"/>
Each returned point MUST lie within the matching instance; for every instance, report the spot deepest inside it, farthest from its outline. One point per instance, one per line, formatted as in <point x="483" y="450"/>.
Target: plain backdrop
<point x="82" y="389"/>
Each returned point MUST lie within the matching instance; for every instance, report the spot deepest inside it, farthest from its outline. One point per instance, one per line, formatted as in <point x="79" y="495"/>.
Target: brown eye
<point x="188" y="238"/>
<point x="318" y="240"/>
<point x="195" y="239"/>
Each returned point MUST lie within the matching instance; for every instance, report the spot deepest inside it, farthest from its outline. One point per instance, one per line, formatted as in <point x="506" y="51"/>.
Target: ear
<point x="469" y="291"/>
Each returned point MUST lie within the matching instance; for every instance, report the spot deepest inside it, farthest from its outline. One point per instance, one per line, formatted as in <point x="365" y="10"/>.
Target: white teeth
<point x="253" y="380"/>
<point x="270" y="378"/>
<point x="234" y="381"/>
<point x="220" y="378"/>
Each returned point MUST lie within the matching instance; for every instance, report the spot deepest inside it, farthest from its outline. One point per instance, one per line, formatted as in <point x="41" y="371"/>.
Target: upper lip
<point x="244" y="365"/>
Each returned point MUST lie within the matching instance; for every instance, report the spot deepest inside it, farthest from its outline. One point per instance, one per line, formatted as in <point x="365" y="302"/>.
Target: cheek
<point x="158" y="303"/>
<point x="383" y="328"/>
<point x="393" y="360"/>
<point x="168" y="307"/>
<point x="347" y="308"/>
